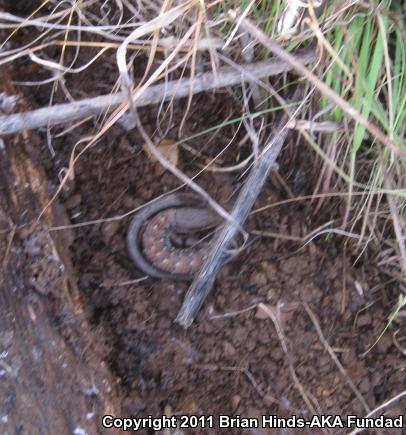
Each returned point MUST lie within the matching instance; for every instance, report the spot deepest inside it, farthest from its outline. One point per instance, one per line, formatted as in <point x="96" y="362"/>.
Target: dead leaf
<point x="168" y="148"/>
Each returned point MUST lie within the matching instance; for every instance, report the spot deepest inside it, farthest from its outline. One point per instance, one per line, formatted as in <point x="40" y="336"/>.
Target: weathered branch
<point x="50" y="373"/>
<point x="204" y="280"/>
<point x="226" y="76"/>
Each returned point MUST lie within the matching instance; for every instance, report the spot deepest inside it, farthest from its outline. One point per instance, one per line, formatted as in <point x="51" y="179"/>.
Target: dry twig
<point x="65" y="113"/>
<point x="204" y="280"/>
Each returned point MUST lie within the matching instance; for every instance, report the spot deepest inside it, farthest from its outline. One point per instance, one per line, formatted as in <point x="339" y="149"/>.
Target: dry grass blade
<point x="380" y="407"/>
<point x="397" y="224"/>
<point x="335" y="359"/>
<point x="292" y="370"/>
<point x="272" y="46"/>
<point x="150" y="27"/>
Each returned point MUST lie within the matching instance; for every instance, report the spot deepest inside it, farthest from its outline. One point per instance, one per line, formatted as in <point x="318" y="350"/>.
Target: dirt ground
<point x="232" y="360"/>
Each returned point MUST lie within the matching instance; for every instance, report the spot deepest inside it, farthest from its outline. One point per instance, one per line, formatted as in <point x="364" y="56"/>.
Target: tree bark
<point x="51" y="379"/>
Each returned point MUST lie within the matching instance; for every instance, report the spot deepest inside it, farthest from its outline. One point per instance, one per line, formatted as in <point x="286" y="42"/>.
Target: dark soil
<point x="229" y="363"/>
<point x="231" y="360"/>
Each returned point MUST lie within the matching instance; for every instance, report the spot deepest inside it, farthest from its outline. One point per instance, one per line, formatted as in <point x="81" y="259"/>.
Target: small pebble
<point x="235" y="401"/>
<point x="364" y="320"/>
<point x="109" y="229"/>
<point x="228" y="349"/>
<point x="258" y="279"/>
<point x="73" y="201"/>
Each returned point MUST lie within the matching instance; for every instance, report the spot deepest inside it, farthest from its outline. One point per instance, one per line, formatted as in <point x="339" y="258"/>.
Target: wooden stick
<point x="204" y="280"/>
<point x="226" y="76"/>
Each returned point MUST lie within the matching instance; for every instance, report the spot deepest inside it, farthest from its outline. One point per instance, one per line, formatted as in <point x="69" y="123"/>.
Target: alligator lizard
<point x="150" y="236"/>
